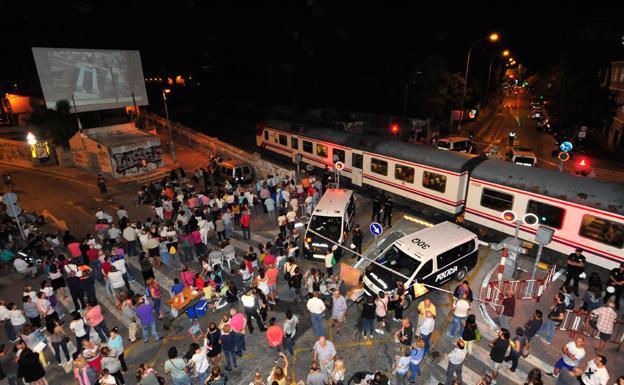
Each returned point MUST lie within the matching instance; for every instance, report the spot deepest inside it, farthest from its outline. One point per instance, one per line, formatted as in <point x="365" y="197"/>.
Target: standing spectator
<point x="509" y="309"/>
<point x="316" y="307"/>
<point x="130" y="235"/>
<point x="294" y="284"/>
<point x="555" y="318"/>
<point x="275" y="337"/>
<point x="315" y="377"/>
<point x="6" y="320"/>
<point x="573" y="354"/>
<point x="95" y="318"/>
<point x="237" y="324"/>
<point x="251" y="304"/>
<point x="533" y="325"/>
<point x="330" y="261"/>
<point x="368" y="317"/>
<point x="462" y="288"/>
<point x="388" y="205"/>
<point x="595" y="373"/>
<point x="470" y="332"/>
<point x="7" y="364"/>
<point x="426" y="329"/>
<point x="398" y="301"/>
<point x="246" y="225"/>
<point x="401" y="367"/>
<point x="497" y="353"/>
<point x="111" y="365"/>
<point x="282" y="222"/>
<point x="517" y="346"/>
<point x="616" y="280"/>
<point x="101" y="183"/>
<point x="456" y="362"/>
<point x="91" y="352"/>
<point x="291" y="217"/>
<point x="424" y="306"/>
<point x="460" y="312"/>
<point x="17" y="318"/>
<point x="30" y="369"/>
<point x="338" y="374"/>
<point x="200" y="361"/>
<point x="59" y="341"/>
<point x="416" y="356"/>
<point x="269" y="207"/>
<point x="607" y="317"/>
<point x="154" y="290"/>
<point x="145" y="314"/>
<point x="227" y="339"/>
<point x="115" y="344"/>
<point x="176" y="367"/>
<point x="80" y="329"/>
<point x="324" y="354"/>
<point x="339" y="310"/>
<point x="576" y="266"/>
<point x="84" y="373"/>
<point x="290" y="330"/>
<point x="381" y="310"/>
<point x="214" y="341"/>
<point x="357" y="236"/>
<point x="376" y="215"/>
<point x="405" y="335"/>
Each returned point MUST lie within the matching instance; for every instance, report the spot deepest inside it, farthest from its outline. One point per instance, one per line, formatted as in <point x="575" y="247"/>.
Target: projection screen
<point x="98" y="79"/>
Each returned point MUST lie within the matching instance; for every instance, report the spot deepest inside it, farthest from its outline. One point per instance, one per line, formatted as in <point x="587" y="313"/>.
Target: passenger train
<point x="586" y="213"/>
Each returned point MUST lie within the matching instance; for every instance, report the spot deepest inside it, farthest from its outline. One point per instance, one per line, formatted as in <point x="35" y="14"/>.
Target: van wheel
<point x="461" y="274"/>
<point x="407" y="302"/>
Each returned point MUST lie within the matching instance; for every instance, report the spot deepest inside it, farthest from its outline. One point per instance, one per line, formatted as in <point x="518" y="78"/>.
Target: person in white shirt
<point x="456" y="362"/>
<point x="291" y="216"/>
<point x="330" y="261"/>
<point x="316" y="307"/>
<point x="122" y="213"/>
<point x="460" y="313"/>
<point x="573" y="354"/>
<point x="200" y="361"/>
<point x="17" y="318"/>
<point x="426" y="329"/>
<point x="595" y="373"/>
<point x="5" y="319"/>
<point x="130" y="235"/>
<point x="22" y="267"/>
<point x="115" y="277"/>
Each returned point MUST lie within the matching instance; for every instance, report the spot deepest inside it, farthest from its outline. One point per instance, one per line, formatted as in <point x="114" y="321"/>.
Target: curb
<point x="488" y="319"/>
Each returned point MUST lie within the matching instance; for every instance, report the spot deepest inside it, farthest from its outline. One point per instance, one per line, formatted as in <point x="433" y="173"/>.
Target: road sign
<point x="564" y="156"/>
<point x="566" y="146"/>
<point x="9" y="198"/>
<point x="376" y="229"/>
<point x="14" y="210"/>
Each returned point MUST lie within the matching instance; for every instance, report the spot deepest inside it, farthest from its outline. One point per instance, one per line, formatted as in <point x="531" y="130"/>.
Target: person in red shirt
<point x="106" y="266"/>
<point x="272" y="274"/>
<point x="246" y="225"/>
<point x="269" y="260"/>
<point x="275" y="336"/>
<point x="199" y="282"/>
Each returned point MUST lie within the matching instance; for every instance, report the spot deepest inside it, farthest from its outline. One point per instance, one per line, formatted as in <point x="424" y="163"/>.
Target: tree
<point x="58" y="125"/>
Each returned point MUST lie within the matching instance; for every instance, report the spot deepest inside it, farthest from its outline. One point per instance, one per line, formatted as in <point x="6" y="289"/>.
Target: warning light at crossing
<point x="509" y="216"/>
<point x="564" y="156"/>
<point x="339" y="166"/>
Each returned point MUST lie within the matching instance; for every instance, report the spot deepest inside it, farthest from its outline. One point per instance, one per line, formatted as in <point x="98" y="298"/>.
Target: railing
<point x="495" y="291"/>
<point x="576" y="322"/>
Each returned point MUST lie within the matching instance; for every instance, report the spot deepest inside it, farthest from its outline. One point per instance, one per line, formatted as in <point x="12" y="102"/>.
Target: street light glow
<point x="506" y="53"/>
<point x="494" y="37"/>
<point x="31" y="139"/>
<point x="167" y="90"/>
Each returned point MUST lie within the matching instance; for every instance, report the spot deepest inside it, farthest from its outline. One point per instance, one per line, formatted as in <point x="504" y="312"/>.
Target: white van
<point x="333" y="218"/>
<point x="523" y="157"/>
<point x="431" y="256"/>
<point x="455" y="143"/>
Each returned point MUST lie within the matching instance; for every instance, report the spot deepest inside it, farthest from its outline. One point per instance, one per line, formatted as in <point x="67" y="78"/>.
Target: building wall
<point x="90" y="155"/>
<point x="136" y="159"/>
<point x="14" y="150"/>
<point x="616" y="85"/>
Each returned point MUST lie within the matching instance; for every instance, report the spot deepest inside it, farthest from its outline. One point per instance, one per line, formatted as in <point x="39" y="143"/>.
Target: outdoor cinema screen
<point x="97" y="79"/>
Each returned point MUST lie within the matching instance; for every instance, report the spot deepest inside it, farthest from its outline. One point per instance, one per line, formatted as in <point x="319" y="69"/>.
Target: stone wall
<point x="14" y="151"/>
<point x="212" y="145"/>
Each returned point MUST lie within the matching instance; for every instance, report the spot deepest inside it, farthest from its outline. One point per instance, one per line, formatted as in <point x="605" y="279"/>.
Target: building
<point x="615" y="136"/>
<point x="119" y="150"/>
<point x="18" y="108"/>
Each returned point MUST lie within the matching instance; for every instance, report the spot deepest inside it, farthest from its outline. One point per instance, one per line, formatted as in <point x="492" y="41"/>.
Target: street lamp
<point x="506" y="53"/>
<point x="31" y="139"/>
<point x="165" y="91"/>
<point x="493" y="37"/>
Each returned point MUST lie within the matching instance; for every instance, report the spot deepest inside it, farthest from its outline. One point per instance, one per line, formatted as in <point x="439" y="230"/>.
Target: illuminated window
<point x="602" y="230"/>
<point x="434" y="181"/>
<point x="548" y="215"/>
<point x="404" y="173"/>
<point x="496" y="200"/>
<point x="321" y="150"/>
<point x="307" y="146"/>
<point x="379" y="166"/>
<point x="339" y="155"/>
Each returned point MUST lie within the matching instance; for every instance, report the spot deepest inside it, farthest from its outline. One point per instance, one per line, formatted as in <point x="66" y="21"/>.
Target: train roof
<point x="602" y="195"/>
<point x="447" y="160"/>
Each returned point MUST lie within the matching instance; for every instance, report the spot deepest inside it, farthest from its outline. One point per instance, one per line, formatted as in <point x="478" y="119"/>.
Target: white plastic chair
<point x="230" y="257"/>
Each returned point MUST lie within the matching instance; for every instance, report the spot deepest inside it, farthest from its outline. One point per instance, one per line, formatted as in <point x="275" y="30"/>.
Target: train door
<point x="357" y="161"/>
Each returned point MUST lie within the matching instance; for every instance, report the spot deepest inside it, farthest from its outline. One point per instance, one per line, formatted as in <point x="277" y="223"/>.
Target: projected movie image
<point x="97" y="79"/>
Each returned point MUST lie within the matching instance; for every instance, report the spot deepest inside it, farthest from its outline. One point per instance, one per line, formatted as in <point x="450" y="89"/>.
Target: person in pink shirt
<point x="272" y="273"/>
<point x="238" y="323"/>
<point x="275" y="336"/>
<point x="74" y="249"/>
<point x="95" y="319"/>
<point x="187" y="277"/>
<point x="269" y="260"/>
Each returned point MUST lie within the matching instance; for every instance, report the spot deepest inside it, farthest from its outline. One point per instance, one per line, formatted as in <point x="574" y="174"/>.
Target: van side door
<point x="447" y="265"/>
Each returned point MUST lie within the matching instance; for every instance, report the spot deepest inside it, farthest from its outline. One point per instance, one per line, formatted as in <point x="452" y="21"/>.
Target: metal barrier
<point x="576" y="322"/>
<point x="522" y="289"/>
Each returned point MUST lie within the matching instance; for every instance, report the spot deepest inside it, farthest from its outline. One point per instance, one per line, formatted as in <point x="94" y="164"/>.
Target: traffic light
<point x="394" y="128"/>
<point x="582" y="163"/>
<point x="509" y="216"/>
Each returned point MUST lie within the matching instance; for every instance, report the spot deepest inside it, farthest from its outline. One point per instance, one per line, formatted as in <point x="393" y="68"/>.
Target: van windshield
<point x="444" y="144"/>
<point x="329" y="227"/>
<point x="238" y="172"/>
<point x="524" y="160"/>
<point x="397" y="260"/>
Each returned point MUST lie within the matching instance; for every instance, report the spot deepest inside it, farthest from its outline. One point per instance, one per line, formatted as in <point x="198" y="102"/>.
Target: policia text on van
<point x="431" y="256"/>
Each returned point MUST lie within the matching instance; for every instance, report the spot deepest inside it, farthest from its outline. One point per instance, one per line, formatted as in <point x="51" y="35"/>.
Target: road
<point x="493" y="126"/>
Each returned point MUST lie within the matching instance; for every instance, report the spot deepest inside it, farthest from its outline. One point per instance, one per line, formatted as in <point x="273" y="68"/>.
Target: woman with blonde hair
<point x="278" y="374"/>
<point x="257" y="380"/>
<point x="338" y="374"/>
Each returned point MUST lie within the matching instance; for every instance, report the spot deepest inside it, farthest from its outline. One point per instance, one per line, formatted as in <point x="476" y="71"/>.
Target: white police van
<point x="332" y="218"/>
<point x="431" y="256"/>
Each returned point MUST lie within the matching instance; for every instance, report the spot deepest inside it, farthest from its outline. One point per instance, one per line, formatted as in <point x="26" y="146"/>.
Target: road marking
<point x="469" y="376"/>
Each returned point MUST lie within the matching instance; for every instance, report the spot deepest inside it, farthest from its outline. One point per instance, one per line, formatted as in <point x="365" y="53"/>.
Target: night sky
<point x="319" y="49"/>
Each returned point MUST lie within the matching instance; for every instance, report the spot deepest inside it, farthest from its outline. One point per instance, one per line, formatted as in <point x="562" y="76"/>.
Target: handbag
<point x="478" y="335"/>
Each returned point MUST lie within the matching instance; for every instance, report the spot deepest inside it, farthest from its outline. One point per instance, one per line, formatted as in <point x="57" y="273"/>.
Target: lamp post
<point x="505" y="53"/>
<point x="164" y="96"/>
<point x="493" y="37"/>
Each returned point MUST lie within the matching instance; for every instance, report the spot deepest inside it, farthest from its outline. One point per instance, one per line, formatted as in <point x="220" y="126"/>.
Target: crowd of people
<point x="188" y="218"/>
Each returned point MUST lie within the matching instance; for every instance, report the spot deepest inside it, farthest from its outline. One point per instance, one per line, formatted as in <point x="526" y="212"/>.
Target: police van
<point x="455" y="143"/>
<point x="332" y="218"/>
<point x="431" y="256"/>
<point x="523" y="157"/>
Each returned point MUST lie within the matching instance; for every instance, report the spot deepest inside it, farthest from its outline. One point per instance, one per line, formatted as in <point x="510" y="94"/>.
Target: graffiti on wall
<point x="138" y="160"/>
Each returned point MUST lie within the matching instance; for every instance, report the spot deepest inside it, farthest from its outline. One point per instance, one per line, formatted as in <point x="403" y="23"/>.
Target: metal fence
<point x="533" y="289"/>
<point x="576" y="322"/>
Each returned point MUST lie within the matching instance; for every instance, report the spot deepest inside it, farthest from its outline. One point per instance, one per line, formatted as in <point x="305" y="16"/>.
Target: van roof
<point x="440" y="238"/>
<point x="526" y="152"/>
<point x="232" y="163"/>
<point x="333" y="203"/>
<point x="453" y="139"/>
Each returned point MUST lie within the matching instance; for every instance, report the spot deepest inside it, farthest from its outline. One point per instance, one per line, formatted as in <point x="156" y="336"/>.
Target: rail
<point x="576" y="322"/>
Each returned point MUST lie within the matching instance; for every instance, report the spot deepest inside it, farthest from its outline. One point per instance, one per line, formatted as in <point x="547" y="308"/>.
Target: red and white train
<point x="586" y="213"/>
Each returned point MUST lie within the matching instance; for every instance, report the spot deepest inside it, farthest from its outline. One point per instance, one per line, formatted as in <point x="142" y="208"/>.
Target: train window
<point x="275" y="137"/>
<point x="294" y="143"/>
<point x="434" y="181"/>
<point x="339" y="155"/>
<point x="307" y="146"/>
<point x="266" y="135"/>
<point x="357" y="160"/>
<point x="496" y="200"/>
<point x="404" y="173"/>
<point x="548" y="215"/>
<point x="283" y="140"/>
<point x="602" y="230"/>
<point x="321" y="150"/>
<point x="379" y="166"/>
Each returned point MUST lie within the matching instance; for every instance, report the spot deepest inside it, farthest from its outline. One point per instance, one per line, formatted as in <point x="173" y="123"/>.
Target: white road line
<point x="483" y="355"/>
<point x="469" y="376"/>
